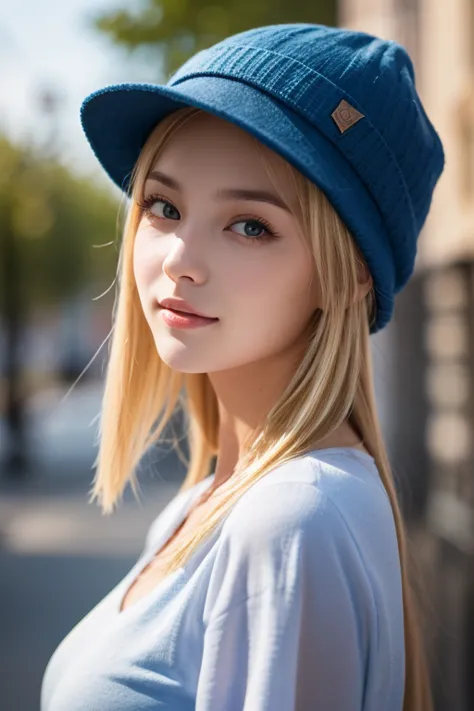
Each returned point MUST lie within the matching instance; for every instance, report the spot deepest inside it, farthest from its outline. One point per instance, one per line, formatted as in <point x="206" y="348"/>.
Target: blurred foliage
<point x="183" y="27"/>
<point x="56" y="219"/>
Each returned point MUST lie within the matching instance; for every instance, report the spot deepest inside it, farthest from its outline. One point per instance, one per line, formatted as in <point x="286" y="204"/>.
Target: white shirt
<point x="294" y="603"/>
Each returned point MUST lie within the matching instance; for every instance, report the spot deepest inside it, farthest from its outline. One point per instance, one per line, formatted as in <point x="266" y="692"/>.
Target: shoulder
<point x="336" y="497"/>
<point x="297" y="577"/>
<point x="307" y="526"/>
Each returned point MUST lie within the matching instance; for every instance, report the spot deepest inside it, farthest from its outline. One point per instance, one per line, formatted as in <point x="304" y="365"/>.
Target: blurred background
<point x="58" y="251"/>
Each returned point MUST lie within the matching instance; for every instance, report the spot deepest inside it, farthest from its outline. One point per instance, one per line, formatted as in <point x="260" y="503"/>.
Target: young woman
<point x="278" y="184"/>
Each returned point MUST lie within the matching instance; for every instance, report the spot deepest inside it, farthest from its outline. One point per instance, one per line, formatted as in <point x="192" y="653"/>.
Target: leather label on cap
<point x="346" y="116"/>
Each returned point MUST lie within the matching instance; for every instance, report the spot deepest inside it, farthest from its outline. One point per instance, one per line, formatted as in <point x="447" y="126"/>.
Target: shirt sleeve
<point x="290" y="611"/>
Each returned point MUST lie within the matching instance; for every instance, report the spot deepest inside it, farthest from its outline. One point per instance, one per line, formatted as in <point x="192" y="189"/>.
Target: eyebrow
<point x="225" y="193"/>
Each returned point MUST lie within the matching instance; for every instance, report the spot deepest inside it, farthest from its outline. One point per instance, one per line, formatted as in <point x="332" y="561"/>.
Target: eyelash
<point x="147" y="203"/>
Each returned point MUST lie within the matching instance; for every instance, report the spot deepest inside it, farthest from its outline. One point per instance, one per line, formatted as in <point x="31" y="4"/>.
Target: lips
<point x="177" y="311"/>
<point x="180" y="306"/>
<point x="173" y="305"/>
<point x="190" y="315"/>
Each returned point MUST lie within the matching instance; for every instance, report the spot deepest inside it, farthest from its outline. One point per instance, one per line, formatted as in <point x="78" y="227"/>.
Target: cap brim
<point x="118" y="119"/>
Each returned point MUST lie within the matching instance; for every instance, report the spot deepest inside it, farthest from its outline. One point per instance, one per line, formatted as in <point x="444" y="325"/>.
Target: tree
<point x="179" y="28"/>
<point x="56" y="220"/>
<point x="49" y="223"/>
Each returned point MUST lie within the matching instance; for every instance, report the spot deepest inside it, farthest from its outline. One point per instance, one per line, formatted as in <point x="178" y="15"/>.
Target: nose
<point x="185" y="257"/>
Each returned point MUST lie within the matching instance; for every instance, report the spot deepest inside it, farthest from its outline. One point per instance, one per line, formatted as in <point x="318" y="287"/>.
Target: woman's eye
<point x="251" y="228"/>
<point x="255" y="230"/>
<point x="163" y="209"/>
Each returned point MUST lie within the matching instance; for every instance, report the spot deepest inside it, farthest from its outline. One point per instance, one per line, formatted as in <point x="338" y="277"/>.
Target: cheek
<point x="279" y="298"/>
<point x="283" y="285"/>
<point x="145" y="260"/>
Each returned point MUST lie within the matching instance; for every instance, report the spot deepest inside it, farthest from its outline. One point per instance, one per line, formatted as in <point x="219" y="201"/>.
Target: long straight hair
<point x="332" y="383"/>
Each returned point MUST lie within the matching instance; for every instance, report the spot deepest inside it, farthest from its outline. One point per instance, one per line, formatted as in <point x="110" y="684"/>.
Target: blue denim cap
<point x="338" y="104"/>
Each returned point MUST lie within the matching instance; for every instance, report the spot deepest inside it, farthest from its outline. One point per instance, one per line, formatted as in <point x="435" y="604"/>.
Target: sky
<point x="47" y="43"/>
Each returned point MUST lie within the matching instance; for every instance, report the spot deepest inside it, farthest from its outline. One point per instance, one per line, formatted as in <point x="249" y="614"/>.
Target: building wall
<point x="440" y="39"/>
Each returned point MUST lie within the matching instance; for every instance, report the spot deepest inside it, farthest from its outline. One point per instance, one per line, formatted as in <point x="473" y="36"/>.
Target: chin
<point x="180" y="357"/>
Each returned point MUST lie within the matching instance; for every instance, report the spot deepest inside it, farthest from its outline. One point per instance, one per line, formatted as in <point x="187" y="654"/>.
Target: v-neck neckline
<point x="190" y="498"/>
<point x="175" y="523"/>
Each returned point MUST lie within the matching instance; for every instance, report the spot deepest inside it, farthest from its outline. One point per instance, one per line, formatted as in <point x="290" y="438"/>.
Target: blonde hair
<point x="333" y="382"/>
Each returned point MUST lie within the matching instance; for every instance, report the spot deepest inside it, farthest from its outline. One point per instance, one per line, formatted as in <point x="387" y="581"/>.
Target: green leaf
<point x="181" y="27"/>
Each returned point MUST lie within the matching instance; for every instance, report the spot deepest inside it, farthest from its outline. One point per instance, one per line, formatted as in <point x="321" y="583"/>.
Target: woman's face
<point x="203" y="241"/>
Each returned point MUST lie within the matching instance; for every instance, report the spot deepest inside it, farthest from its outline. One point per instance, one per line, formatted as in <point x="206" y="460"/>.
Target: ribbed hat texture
<point x="338" y="104"/>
